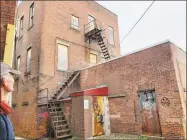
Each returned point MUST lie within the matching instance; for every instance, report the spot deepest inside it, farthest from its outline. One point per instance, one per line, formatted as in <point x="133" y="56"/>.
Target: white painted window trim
<point x="75" y="26"/>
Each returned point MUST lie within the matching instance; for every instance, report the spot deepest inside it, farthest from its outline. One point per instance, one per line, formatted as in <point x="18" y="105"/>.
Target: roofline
<point x="178" y="47"/>
<point x="105" y="8"/>
<point x="148" y="47"/>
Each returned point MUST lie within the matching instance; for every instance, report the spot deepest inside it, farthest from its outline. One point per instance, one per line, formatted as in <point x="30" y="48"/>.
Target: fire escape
<point x="56" y="114"/>
<point x="93" y="31"/>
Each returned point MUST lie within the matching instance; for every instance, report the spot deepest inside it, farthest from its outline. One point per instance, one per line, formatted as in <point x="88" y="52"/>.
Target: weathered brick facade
<point x="7" y="17"/>
<point x="52" y="25"/>
<point x="154" y="67"/>
<point x="136" y="71"/>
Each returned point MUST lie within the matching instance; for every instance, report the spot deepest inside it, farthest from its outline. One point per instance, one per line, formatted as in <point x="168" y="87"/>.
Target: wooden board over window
<point x="111" y="35"/>
<point x="62" y="57"/>
<point x="93" y="58"/>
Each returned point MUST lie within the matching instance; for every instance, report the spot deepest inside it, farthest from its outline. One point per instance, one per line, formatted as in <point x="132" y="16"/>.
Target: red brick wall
<point x="7" y="17"/>
<point x="57" y="25"/>
<point x="122" y="115"/>
<point x="88" y="118"/>
<point x="78" y="116"/>
<point x="24" y="118"/>
<point x="179" y="59"/>
<point x="126" y="75"/>
<point x="67" y="112"/>
<point x="26" y="85"/>
<point x="51" y="23"/>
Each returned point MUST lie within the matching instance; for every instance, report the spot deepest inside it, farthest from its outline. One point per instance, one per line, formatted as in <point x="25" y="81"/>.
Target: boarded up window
<point x="28" y="59"/>
<point x="62" y="57"/>
<point x="111" y="35"/>
<point x="93" y="58"/>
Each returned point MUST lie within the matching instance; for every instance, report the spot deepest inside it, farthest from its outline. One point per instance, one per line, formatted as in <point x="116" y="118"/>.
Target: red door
<point x="149" y="113"/>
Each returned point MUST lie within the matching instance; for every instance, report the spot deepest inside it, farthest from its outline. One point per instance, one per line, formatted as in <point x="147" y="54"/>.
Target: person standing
<point x="7" y="85"/>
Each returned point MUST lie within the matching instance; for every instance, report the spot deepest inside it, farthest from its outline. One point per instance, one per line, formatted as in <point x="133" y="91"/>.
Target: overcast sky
<point x="164" y="20"/>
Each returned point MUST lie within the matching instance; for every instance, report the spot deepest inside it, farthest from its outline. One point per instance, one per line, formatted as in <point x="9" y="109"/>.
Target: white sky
<point x="164" y="20"/>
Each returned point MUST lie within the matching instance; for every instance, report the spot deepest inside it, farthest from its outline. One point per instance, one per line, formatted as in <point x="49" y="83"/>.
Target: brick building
<point x="51" y="44"/>
<point x="72" y="56"/>
<point x="156" y="72"/>
<point x="7" y="17"/>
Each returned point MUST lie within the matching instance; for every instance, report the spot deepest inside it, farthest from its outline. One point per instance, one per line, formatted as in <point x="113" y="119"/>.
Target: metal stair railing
<point x="68" y="84"/>
<point x="97" y="24"/>
<point x="69" y="73"/>
<point x="107" y="44"/>
<point x="51" y="102"/>
<point x="94" y="24"/>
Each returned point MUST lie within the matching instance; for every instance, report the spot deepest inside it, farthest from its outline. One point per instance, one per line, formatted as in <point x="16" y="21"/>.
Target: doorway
<point x="149" y="113"/>
<point x="98" y="116"/>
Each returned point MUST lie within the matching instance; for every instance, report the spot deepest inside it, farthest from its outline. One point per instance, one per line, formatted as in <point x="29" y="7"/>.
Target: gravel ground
<point x="116" y="137"/>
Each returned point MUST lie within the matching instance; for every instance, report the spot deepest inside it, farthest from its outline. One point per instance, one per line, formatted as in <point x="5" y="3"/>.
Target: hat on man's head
<point x="5" y="69"/>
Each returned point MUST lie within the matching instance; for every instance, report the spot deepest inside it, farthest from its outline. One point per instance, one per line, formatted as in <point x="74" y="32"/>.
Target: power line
<point x="138" y="21"/>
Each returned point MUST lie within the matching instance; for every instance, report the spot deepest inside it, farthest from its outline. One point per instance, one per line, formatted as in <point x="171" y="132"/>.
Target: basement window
<point x="31" y="15"/>
<point x="93" y="58"/>
<point x="74" y="22"/>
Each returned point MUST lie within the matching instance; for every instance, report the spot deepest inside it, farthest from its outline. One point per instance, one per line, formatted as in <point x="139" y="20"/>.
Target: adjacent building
<point x="7" y="17"/>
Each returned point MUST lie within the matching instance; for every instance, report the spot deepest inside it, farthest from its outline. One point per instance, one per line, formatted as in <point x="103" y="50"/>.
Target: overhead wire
<point x="137" y="21"/>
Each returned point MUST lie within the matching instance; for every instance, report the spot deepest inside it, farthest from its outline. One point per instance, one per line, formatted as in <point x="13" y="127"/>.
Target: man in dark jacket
<point x="6" y="84"/>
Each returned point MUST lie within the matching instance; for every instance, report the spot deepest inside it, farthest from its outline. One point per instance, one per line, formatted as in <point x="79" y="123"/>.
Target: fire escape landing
<point x="93" y="31"/>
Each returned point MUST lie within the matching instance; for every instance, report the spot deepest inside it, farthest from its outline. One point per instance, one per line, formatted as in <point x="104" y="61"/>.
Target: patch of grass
<point x="143" y="137"/>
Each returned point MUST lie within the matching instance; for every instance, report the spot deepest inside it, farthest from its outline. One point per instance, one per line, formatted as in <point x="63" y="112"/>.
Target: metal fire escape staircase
<point x="58" y="120"/>
<point x="93" y="31"/>
<point x="56" y="115"/>
<point x="63" y="88"/>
